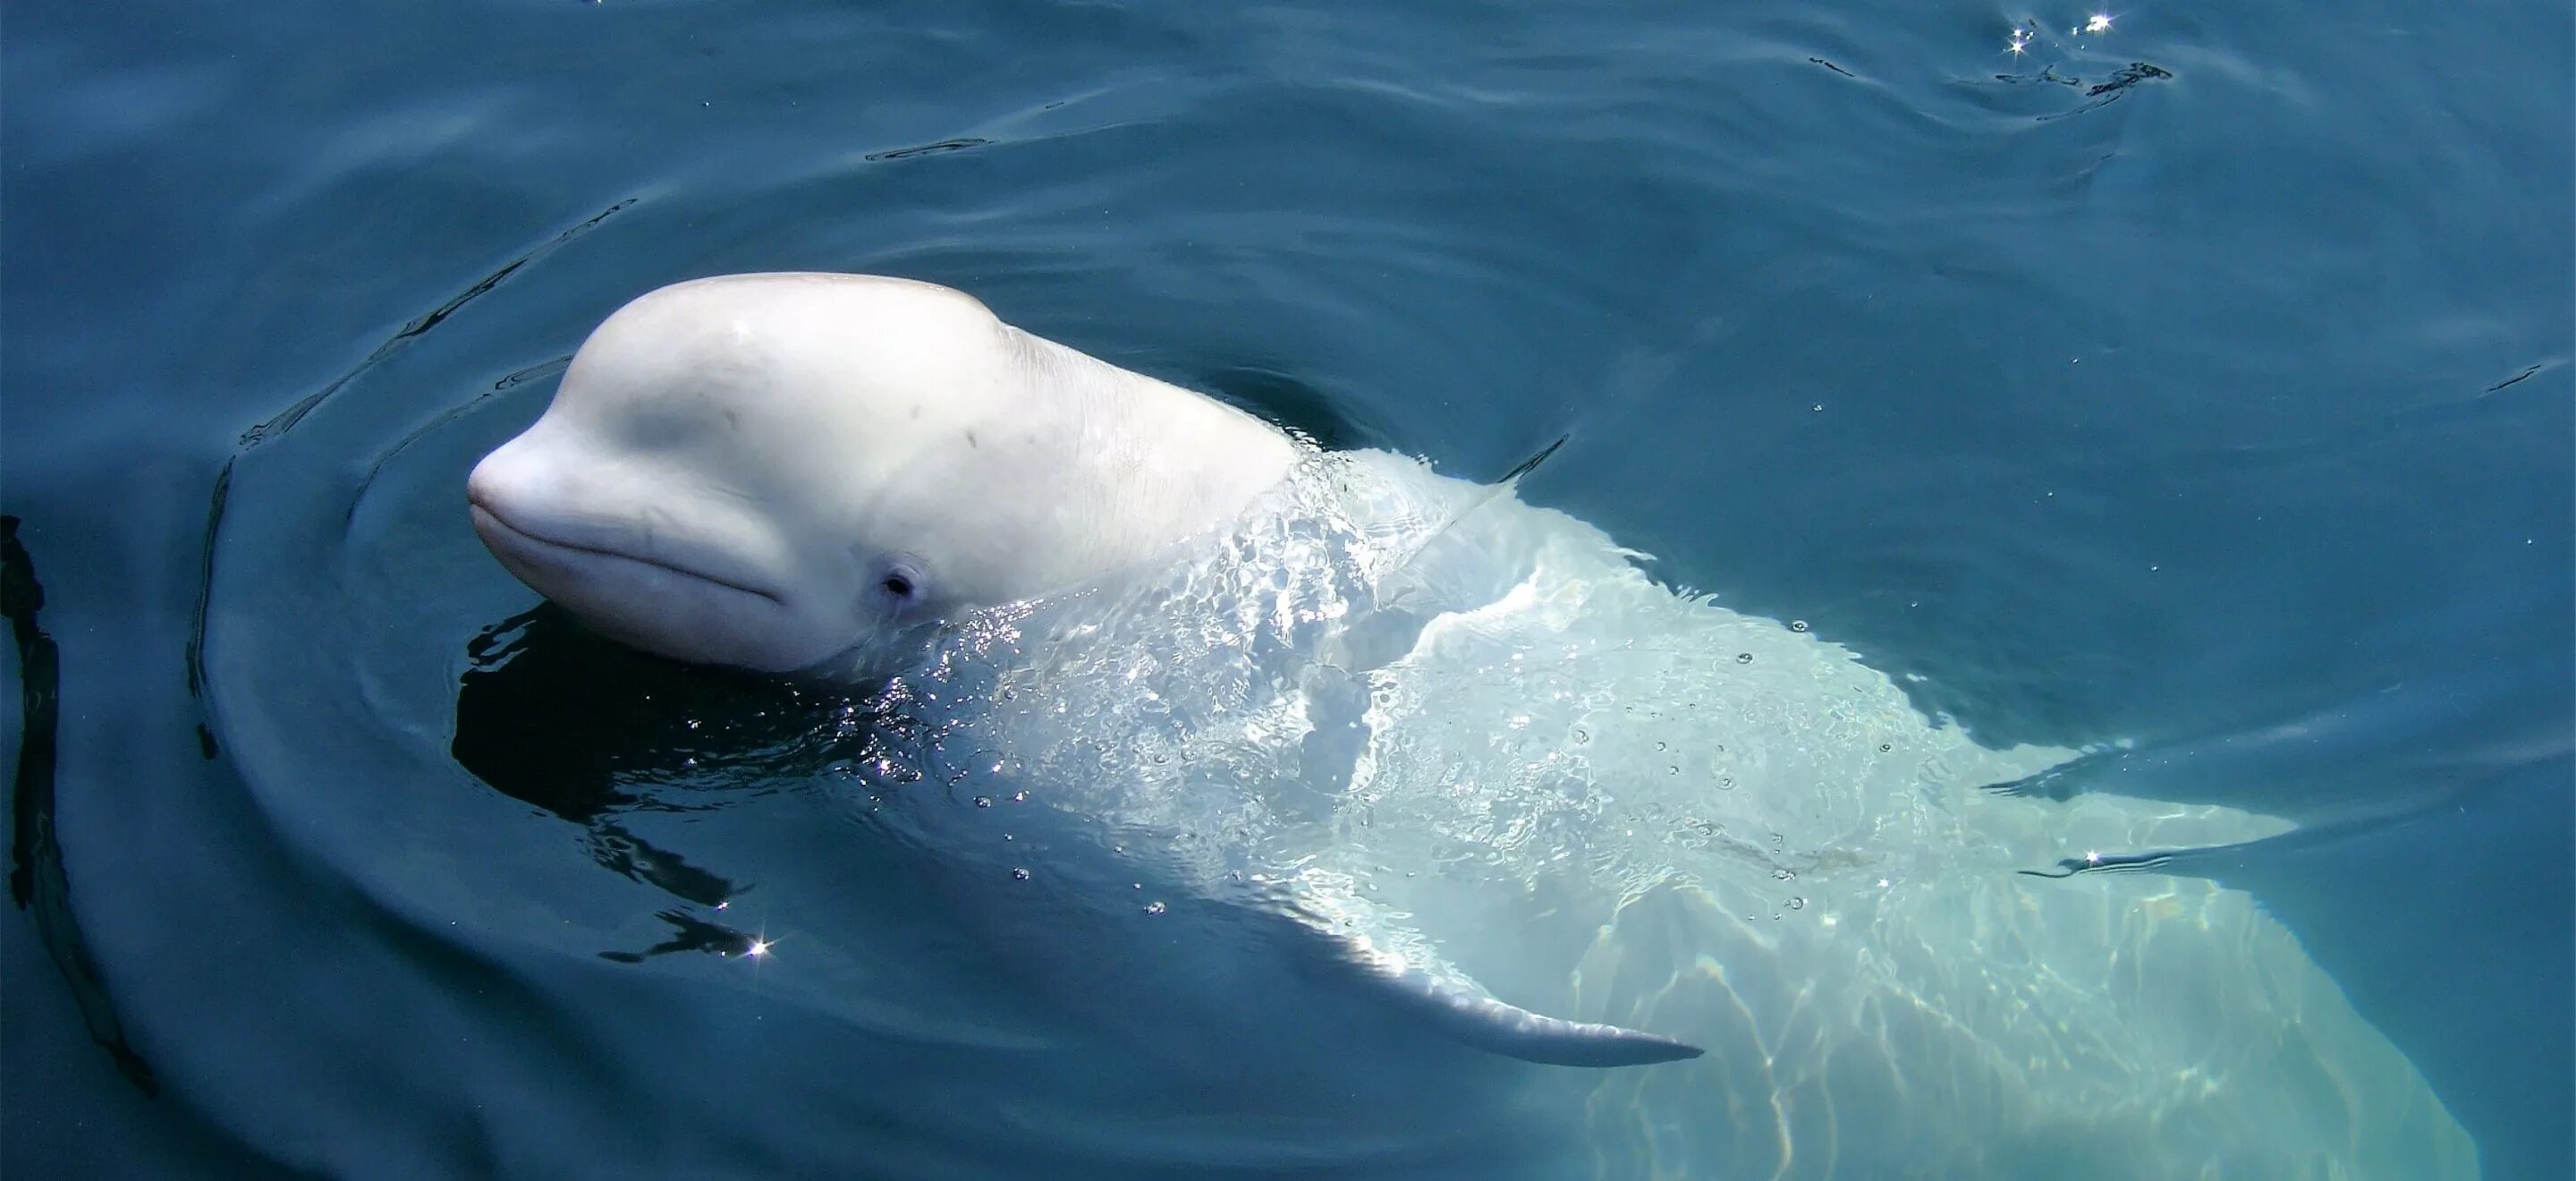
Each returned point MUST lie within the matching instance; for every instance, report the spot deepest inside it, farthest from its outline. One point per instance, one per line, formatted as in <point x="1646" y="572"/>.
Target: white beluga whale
<point x="1459" y="752"/>
<point x="699" y="448"/>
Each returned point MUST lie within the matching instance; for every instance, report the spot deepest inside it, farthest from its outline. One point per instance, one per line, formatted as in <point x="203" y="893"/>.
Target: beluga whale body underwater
<point x="1455" y="754"/>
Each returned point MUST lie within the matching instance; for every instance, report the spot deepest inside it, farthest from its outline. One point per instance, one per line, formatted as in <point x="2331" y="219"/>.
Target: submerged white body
<point x="1465" y="737"/>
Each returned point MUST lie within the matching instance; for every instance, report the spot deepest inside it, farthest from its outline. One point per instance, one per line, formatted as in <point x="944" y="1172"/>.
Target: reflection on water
<point x="589" y="731"/>
<point x="38" y="880"/>
<point x="550" y="713"/>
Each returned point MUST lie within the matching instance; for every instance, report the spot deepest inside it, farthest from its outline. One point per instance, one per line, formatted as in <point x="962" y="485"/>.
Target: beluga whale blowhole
<point x="1456" y="753"/>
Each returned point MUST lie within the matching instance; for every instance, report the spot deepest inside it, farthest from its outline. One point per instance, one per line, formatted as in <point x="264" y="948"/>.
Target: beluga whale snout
<point x="776" y="472"/>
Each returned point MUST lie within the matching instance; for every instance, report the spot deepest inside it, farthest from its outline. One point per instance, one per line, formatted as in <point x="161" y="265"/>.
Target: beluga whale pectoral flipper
<point x="1395" y="963"/>
<point x="1468" y="1013"/>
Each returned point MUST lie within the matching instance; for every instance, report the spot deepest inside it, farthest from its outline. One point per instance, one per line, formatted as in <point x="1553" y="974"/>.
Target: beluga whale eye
<point x="901" y="585"/>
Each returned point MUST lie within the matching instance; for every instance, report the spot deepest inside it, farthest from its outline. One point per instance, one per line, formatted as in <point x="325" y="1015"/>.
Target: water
<point x="2225" y="411"/>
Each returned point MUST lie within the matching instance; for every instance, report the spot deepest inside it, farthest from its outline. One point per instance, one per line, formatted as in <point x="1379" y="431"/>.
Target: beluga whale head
<point x="785" y="472"/>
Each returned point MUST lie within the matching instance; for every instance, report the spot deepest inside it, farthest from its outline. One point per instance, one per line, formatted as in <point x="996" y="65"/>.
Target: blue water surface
<point x="2192" y="385"/>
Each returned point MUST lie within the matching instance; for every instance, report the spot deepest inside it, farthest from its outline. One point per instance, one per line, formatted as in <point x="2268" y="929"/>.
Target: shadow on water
<point x="551" y="714"/>
<point x="159" y="1131"/>
<point x="38" y="882"/>
<point x="588" y="732"/>
<point x="1296" y="405"/>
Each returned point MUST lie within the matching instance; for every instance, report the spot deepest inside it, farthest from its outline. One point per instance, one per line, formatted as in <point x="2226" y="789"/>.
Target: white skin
<point x="775" y="472"/>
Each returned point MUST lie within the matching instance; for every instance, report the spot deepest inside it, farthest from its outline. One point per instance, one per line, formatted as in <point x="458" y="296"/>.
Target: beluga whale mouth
<point x="620" y="584"/>
<point x="531" y="546"/>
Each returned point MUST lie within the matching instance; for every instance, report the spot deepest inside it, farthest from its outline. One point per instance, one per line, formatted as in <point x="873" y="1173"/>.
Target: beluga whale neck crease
<point x="803" y="472"/>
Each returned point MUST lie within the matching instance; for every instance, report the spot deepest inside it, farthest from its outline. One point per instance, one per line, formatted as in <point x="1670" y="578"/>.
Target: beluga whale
<point x="1442" y="750"/>
<point x="797" y="472"/>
